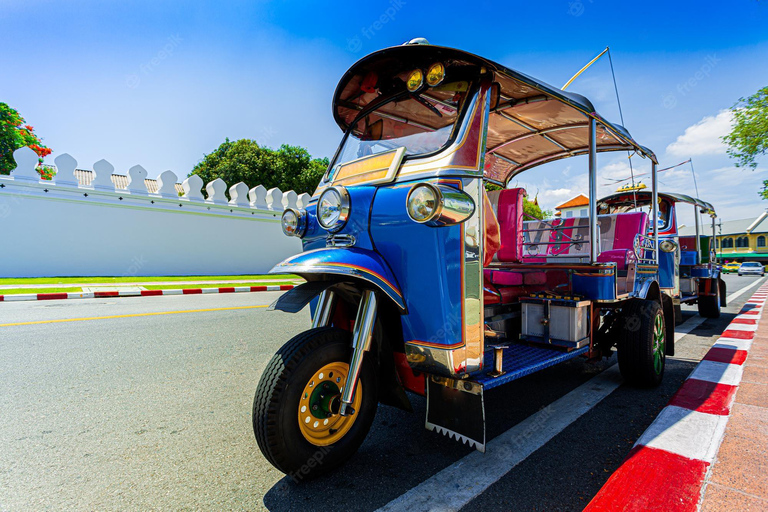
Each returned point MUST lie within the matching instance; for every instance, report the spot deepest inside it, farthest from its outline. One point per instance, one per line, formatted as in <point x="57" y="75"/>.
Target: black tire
<point x="275" y="406"/>
<point x="641" y="359"/>
<point x="709" y="305"/>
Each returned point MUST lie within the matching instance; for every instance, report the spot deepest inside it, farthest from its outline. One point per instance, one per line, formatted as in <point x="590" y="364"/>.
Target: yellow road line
<point x="130" y="316"/>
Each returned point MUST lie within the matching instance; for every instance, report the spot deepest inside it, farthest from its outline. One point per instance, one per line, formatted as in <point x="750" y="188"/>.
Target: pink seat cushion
<point x="511" y="278"/>
<point x="508" y="205"/>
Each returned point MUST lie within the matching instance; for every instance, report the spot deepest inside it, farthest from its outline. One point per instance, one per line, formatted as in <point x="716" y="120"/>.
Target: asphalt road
<point x="153" y="411"/>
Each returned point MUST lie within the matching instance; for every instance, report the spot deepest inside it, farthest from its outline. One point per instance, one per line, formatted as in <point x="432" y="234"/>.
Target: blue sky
<point x="162" y="83"/>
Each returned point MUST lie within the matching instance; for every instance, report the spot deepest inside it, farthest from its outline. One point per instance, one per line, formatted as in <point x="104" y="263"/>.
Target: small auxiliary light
<point x="435" y="74"/>
<point x="415" y="80"/>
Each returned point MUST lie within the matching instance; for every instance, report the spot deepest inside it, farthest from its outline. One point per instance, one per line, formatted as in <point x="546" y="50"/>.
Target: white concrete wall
<point x="60" y="228"/>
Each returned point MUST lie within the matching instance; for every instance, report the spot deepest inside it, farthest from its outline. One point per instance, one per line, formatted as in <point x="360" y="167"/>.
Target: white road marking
<point x="741" y="291"/>
<point x="684" y="328"/>
<point x="737" y="293"/>
<point x="461" y="482"/>
<point x="692" y="434"/>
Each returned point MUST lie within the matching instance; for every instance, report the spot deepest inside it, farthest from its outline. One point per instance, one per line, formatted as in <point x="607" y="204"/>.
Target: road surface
<point x="150" y="408"/>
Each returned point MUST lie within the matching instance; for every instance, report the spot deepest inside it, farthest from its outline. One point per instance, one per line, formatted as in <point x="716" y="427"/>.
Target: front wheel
<point x="296" y="408"/>
<point x="642" y="346"/>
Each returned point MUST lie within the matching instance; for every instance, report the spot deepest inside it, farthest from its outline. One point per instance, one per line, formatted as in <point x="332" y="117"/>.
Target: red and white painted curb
<point x="667" y="467"/>
<point x="143" y="293"/>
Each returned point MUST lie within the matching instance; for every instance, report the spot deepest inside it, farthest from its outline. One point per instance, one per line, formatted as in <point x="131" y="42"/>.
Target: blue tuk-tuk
<point x="688" y="272"/>
<point x="422" y="281"/>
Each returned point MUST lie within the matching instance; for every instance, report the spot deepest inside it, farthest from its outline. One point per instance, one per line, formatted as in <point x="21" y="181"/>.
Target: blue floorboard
<point x="520" y="360"/>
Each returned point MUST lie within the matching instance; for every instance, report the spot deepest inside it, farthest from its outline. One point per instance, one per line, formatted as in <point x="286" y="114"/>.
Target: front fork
<point x="362" y="335"/>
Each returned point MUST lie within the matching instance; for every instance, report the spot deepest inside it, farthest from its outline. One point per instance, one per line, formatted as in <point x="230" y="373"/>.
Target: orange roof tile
<point x="579" y="200"/>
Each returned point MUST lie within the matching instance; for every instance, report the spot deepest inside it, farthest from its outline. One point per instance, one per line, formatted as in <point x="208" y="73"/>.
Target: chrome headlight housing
<point x="438" y="205"/>
<point x="667" y="246"/>
<point x="333" y="208"/>
<point x="294" y="222"/>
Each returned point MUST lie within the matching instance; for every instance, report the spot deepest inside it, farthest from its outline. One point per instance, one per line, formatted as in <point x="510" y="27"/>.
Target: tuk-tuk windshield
<point x="421" y="122"/>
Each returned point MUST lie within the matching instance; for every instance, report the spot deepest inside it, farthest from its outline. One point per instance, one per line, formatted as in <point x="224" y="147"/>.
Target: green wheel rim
<point x="659" y="341"/>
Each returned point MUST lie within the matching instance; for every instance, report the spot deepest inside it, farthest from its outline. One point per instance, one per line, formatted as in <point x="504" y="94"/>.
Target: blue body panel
<point x="688" y="258"/>
<point x="667" y="269"/>
<point x="700" y="272"/>
<point x="594" y="286"/>
<point x="426" y="261"/>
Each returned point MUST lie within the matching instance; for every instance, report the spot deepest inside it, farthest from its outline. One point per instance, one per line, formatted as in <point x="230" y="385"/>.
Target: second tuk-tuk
<point x="688" y="267"/>
<point x="420" y="281"/>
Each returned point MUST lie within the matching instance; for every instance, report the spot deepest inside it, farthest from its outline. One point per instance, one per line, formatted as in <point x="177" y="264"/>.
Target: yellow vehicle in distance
<point x="731" y="267"/>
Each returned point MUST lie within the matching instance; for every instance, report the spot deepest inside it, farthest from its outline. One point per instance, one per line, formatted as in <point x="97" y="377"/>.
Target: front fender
<point x="359" y="263"/>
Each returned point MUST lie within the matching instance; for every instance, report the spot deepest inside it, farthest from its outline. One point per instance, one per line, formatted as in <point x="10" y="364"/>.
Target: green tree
<point x="15" y="134"/>
<point x="288" y="168"/>
<point x="748" y="139"/>
<point x="531" y="209"/>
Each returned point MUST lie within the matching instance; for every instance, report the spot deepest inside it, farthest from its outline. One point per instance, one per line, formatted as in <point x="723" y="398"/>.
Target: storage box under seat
<point x="688" y="285"/>
<point x="555" y="321"/>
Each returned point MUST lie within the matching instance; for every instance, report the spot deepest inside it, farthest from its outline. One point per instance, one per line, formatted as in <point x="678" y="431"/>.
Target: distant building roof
<point x="84" y="177"/>
<point x="729" y="227"/>
<point x="575" y="202"/>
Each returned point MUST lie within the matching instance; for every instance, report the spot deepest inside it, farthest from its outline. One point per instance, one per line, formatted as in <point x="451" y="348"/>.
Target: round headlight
<point x="333" y="208"/>
<point x="667" y="246"/>
<point x="294" y="222"/>
<point x="423" y="202"/>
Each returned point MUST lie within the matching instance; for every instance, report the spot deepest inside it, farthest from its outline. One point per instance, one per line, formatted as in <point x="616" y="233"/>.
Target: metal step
<point x="520" y="360"/>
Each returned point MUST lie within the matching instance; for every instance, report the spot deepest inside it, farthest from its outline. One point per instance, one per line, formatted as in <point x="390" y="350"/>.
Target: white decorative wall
<point x="66" y="228"/>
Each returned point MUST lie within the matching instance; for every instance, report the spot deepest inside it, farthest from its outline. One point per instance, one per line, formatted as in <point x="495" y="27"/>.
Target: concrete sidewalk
<point x="119" y="286"/>
<point x="738" y="479"/>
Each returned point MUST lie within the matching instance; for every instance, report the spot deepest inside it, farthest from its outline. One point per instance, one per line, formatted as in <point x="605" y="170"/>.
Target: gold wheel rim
<point x="317" y="423"/>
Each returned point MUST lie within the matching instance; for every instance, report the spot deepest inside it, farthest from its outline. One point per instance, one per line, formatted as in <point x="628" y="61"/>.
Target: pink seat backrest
<point x="618" y="230"/>
<point x="508" y="206"/>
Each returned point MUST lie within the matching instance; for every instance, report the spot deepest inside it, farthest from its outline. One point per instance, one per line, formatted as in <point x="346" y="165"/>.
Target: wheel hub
<point x="659" y="342"/>
<point x="318" y="408"/>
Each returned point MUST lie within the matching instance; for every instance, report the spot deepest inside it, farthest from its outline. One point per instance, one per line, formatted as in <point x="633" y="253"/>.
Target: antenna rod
<point x="574" y="77"/>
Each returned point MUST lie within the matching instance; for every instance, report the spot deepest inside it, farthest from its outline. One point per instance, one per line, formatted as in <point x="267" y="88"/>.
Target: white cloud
<point x="703" y="138"/>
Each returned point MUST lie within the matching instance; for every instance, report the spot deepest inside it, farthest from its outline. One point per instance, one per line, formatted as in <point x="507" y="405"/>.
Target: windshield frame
<point x="472" y="93"/>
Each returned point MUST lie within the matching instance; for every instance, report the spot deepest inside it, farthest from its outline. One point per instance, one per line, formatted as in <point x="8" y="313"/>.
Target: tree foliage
<point x="531" y="209"/>
<point x="15" y="134"/>
<point x="748" y="139"/>
<point x="288" y="168"/>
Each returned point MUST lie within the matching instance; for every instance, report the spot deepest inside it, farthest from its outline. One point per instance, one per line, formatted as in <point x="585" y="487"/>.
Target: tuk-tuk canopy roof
<point x="644" y="197"/>
<point x="531" y="122"/>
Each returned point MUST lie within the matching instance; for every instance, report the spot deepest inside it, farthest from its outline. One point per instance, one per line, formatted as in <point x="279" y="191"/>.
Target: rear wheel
<point x="709" y="305"/>
<point x="642" y="346"/>
<point x="296" y="408"/>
